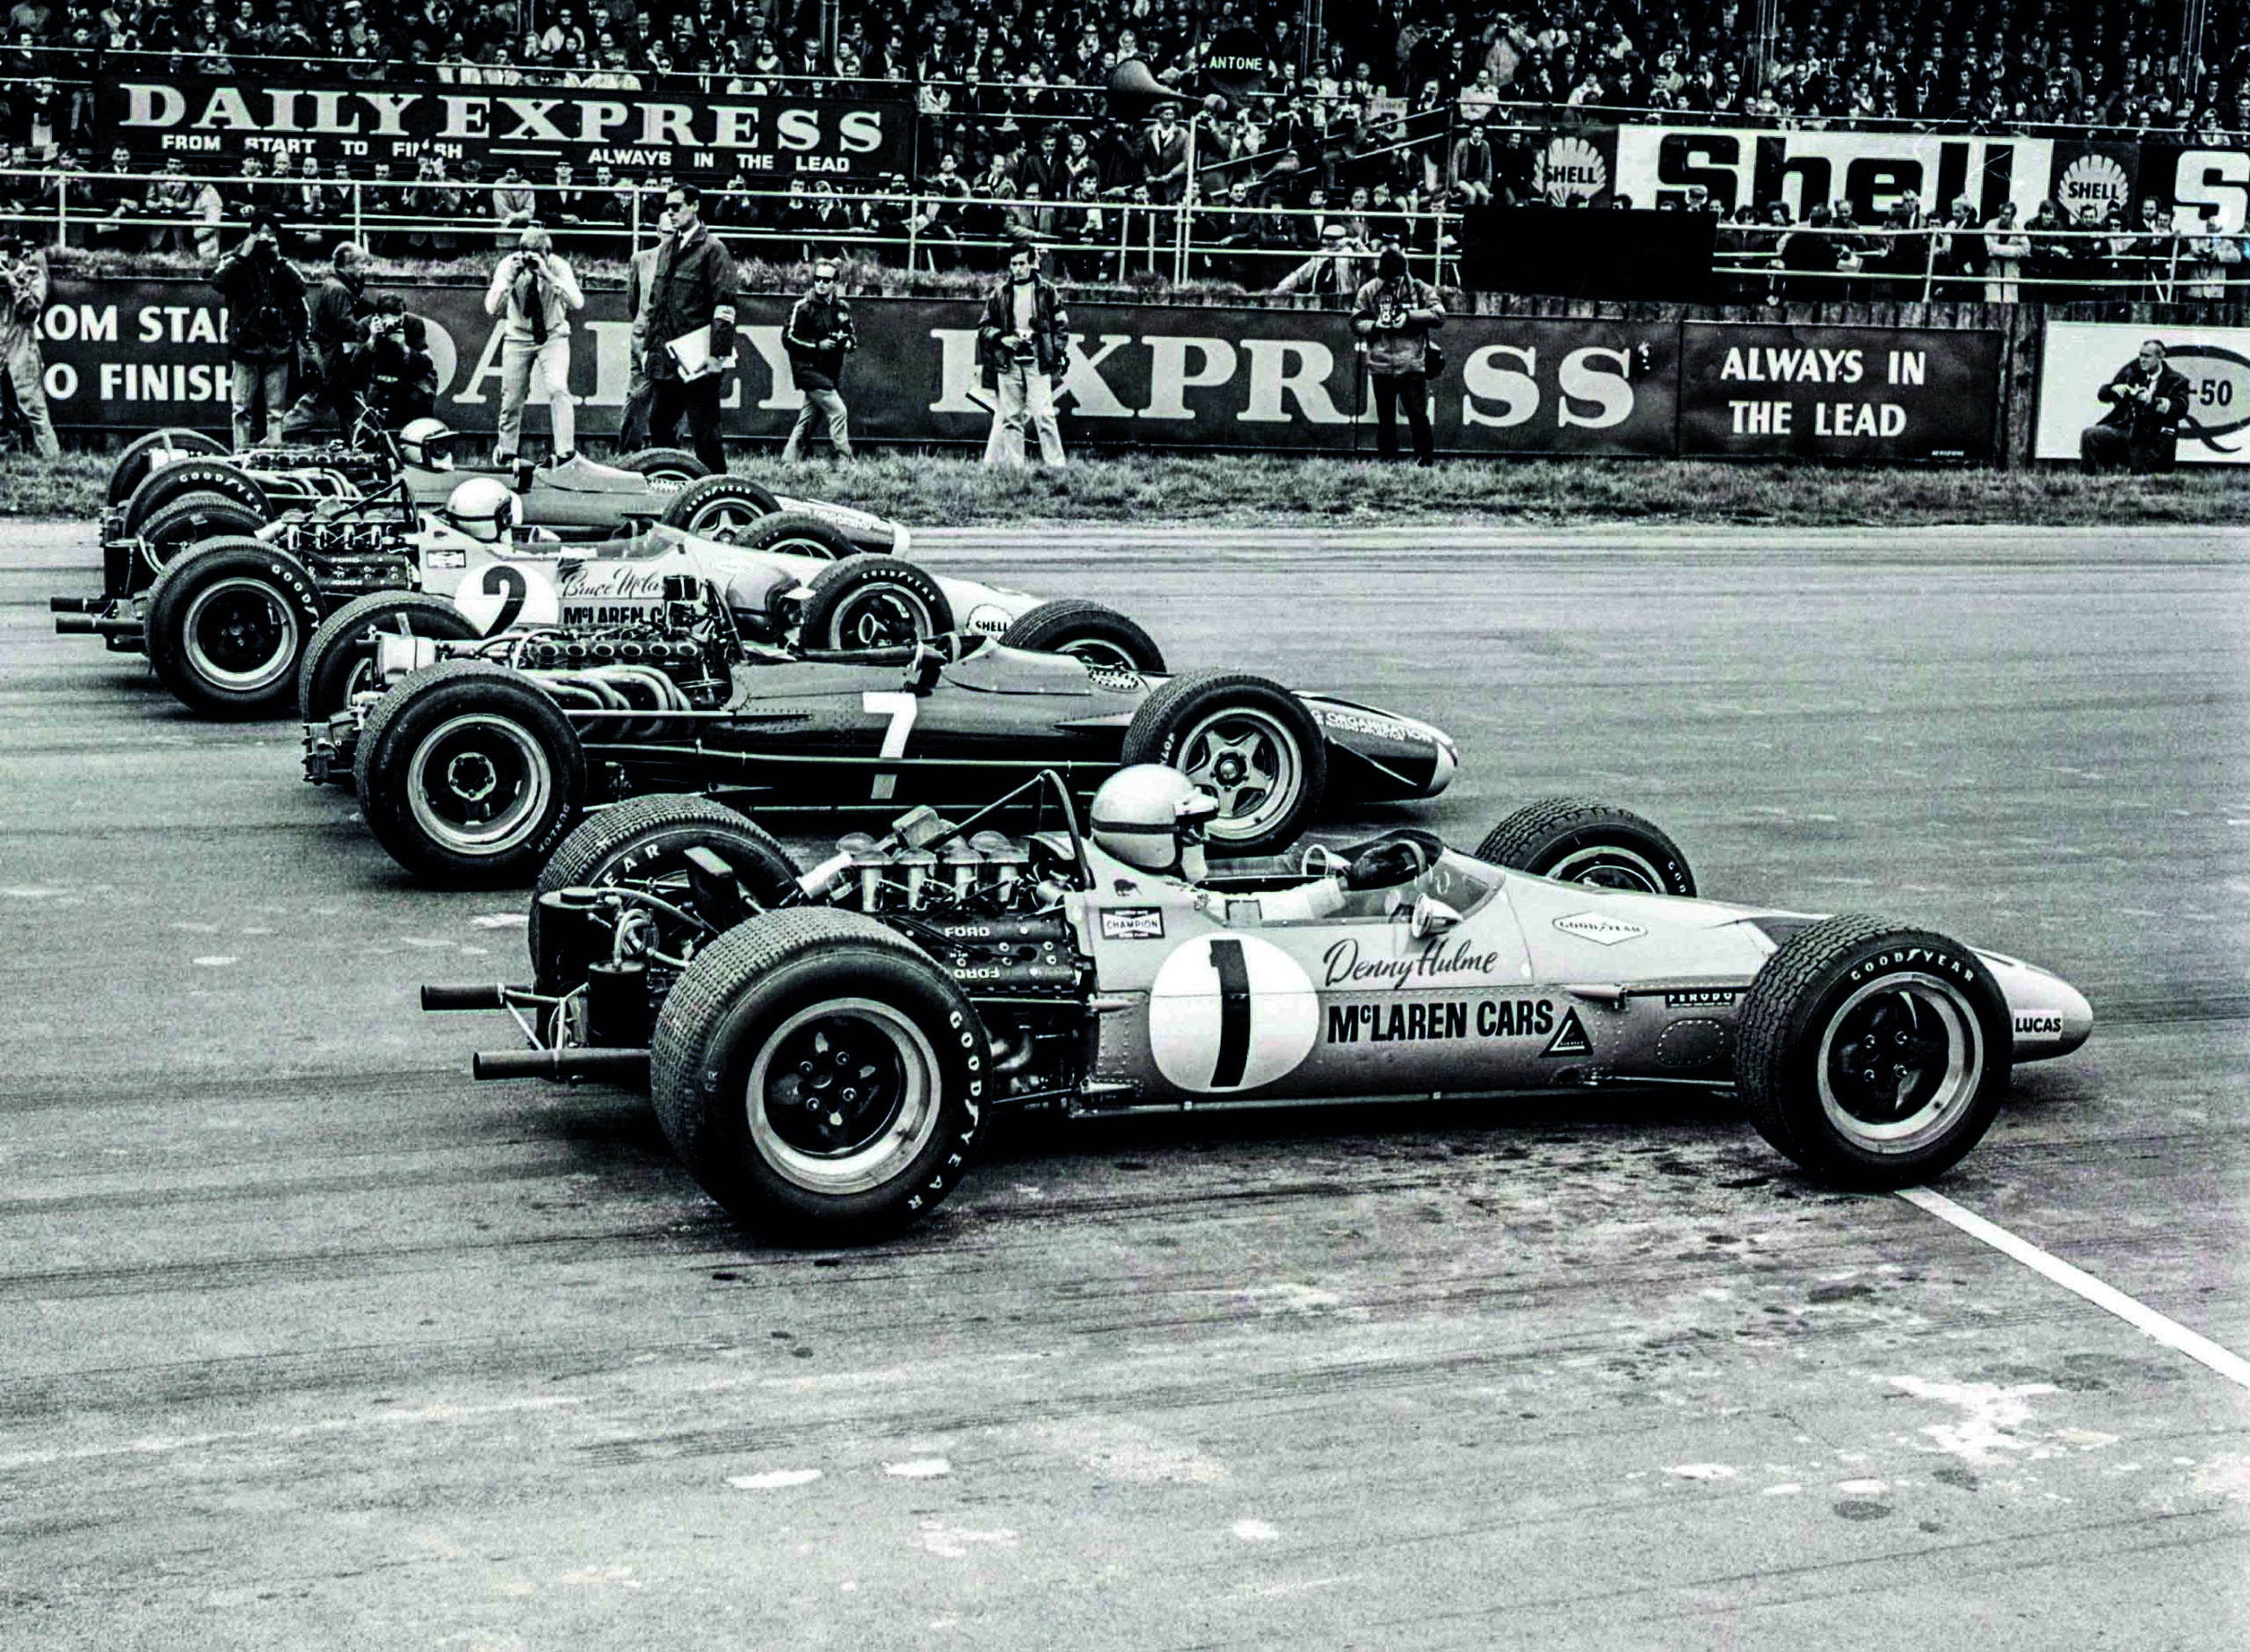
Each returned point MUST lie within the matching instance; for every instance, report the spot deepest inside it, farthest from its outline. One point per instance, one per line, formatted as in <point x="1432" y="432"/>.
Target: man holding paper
<point x="691" y="330"/>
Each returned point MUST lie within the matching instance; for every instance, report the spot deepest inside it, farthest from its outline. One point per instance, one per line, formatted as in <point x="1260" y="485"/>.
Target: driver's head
<point x="1155" y="818"/>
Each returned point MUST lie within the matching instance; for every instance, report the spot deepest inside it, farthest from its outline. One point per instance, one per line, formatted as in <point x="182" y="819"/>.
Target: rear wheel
<point x="819" y="1075"/>
<point x="798" y="533"/>
<point x="674" y="465"/>
<point x="190" y="521"/>
<point x="1246" y="740"/>
<point x="468" y="775"/>
<point x="161" y="487"/>
<point x="719" y="507"/>
<point x="1873" y="1055"/>
<point x="145" y="455"/>
<point x="873" y="601"/>
<point x="226" y="622"/>
<point x="340" y="659"/>
<point x="1579" y="840"/>
<point x="1086" y="630"/>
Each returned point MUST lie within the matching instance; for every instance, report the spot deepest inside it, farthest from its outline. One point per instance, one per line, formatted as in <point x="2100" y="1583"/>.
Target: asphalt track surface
<point x="308" y="1340"/>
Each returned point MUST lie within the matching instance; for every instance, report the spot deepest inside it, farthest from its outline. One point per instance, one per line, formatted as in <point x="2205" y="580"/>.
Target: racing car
<point x="823" y="1045"/>
<point x="470" y="769"/>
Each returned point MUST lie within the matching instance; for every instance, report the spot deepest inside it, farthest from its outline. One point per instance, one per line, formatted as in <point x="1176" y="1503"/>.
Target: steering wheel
<point x="1318" y="860"/>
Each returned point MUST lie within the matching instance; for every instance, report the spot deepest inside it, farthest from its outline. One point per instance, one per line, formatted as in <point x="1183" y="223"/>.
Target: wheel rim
<point x="478" y="785"/>
<point x="1249" y="762"/>
<point x="1099" y="652"/>
<point x="883" y="617"/>
<point x="1899" y="1063"/>
<point x="1610" y="866"/>
<point x="792" y="545"/>
<point x="724" y="520"/>
<point x="241" y="635"/>
<point x="842" y="1097"/>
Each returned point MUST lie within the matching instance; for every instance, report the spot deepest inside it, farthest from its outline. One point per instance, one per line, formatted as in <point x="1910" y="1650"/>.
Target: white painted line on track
<point x="2140" y="1317"/>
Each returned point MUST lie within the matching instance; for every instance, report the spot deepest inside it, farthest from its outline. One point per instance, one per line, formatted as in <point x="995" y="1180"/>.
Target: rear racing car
<point x="823" y="1047"/>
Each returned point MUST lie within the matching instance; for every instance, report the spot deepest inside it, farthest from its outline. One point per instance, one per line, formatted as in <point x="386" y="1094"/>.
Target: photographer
<point x="265" y="321"/>
<point x="23" y="373"/>
<point x="396" y="373"/>
<point x="340" y="309"/>
<point x="538" y="292"/>
<point x="1394" y="315"/>
<point x="817" y="338"/>
<point x="2147" y="400"/>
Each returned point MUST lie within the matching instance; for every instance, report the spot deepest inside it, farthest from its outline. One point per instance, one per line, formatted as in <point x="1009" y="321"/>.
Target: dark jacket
<point x="1411" y="309"/>
<point x="818" y="334"/>
<point x="2152" y="427"/>
<point x="1050" y="329"/>
<point x="694" y="286"/>
<point x="339" y="310"/>
<point x="265" y="307"/>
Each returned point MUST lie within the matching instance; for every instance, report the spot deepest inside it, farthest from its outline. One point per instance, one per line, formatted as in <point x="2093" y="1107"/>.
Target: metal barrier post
<point x="1187" y="206"/>
<point x="62" y="209"/>
<point x="1930" y="263"/>
<point x="357" y="233"/>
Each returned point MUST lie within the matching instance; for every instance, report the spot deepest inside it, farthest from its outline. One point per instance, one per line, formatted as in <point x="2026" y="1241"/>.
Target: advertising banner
<point x="692" y="133"/>
<point x="1873" y="170"/>
<point x="1881" y="395"/>
<point x="2078" y="357"/>
<point x="2187" y="179"/>
<point x="1559" y="386"/>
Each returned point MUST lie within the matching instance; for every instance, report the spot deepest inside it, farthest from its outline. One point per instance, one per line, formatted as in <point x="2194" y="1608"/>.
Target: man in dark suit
<point x="2141" y="429"/>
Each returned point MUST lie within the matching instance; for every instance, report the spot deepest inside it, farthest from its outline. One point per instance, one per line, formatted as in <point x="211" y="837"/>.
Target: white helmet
<point x="423" y="443"/>
<point x="1153" y="817"/>
<point x="484" y="509"/>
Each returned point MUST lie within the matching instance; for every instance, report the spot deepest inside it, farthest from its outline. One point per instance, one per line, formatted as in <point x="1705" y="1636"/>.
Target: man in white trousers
<point x="538" y="292"/>
<point x="1024" y="345"/>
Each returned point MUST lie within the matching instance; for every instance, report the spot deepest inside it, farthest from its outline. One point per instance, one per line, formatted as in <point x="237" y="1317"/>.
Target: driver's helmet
<point x="1153" y="817"/>
<point x="483" y="508"/>
<point x="428" y="443"/>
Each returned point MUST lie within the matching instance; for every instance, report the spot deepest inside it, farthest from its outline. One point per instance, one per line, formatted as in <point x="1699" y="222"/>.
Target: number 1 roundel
<point x="1230" y="1012"/>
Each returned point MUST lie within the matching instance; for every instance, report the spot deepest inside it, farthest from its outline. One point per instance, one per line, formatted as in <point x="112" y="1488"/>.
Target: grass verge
<point x="926" y="490"/>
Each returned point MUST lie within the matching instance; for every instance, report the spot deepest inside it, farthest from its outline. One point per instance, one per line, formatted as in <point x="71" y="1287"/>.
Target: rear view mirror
<point x="1431" y="917"/>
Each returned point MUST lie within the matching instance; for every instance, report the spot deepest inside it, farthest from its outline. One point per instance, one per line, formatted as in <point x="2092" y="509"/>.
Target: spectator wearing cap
<point x="1164" y="156"/>
<point x="817" y="338"/>
<point x="1395" y="314"/>
<point x="1333" y="273"/>
<point x="537" y="292"/>
<point x="265" y="321"/>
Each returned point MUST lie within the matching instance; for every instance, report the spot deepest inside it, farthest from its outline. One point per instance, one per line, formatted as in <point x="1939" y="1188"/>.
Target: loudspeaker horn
<point x="1133" y="90"/>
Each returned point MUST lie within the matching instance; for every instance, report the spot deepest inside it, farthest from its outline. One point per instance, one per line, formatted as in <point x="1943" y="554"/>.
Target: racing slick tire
<point x="1246" y="740"/>
<point x="753" y="1047"/>
<point x="142" y="454"/>
<point x="160" y="488"/>
<point x="1873" y="1055"/>
<point x="873" y="601"/>
<point x="666" y="464"/>
<point x="468" y="776"/>
<point x="646" y="840"/>
<point x="1087" y="630"/>
<point x="226" y="621"/>
<point x="1579" y="840"/>
<point x="798" y="533"/>
<point x="719" y="507"/>
<point x="337" y="660"/>
<point x="188" y="521"/>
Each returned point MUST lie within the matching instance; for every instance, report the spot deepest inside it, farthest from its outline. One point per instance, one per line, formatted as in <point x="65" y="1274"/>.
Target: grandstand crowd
<point x="1386" y="121"/>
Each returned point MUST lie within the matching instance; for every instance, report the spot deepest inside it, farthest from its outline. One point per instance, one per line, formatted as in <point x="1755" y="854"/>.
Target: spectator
<point x="1333" y="272"/>
<point x="817" y="338"/>
<point x="265" y="321"/>
<point x="2147" y="401"/>
<point x="692" y="290"/>
<point x="1470" y="170"/>
<point x="1811" y="257"/>
<point x="515" y="204"/>
<point x="338" y="329"/>
<point x="537" y="290"/>
<point x="1395" y="314"/>
<point x="1023" y="345"/>
<point x="2005" y="246"/>
<point x="168" y="205"/>
<point x="118" y="199"/>
<point x="640" y="277"/>
<point x="2213" y="252"/>
<point x="23" y="372"/>
<point x="1164" y="156"/>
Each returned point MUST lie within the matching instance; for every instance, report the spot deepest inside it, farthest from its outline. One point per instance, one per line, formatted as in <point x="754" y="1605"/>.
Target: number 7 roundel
<point x="1229" y="1012"/>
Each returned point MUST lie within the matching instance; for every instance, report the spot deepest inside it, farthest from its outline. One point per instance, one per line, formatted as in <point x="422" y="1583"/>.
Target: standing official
<point x="693" y="289"/>
<point x="817" y="338"/>
<point x="538" y="291"/>
<point x="1024" y="346"/>
<point x="23" y="299"/>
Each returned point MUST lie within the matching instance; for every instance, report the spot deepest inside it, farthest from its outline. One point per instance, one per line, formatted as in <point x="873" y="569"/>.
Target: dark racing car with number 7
<point x="825" y="1047"/>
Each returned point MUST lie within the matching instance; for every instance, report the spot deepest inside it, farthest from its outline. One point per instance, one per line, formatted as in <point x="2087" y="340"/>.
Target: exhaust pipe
<point x="73" y="625"/>
<point x="475" y="997"/>
<point x="616" y="1066"/>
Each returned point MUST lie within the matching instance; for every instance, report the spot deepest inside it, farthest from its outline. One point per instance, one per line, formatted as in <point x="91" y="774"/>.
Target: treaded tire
<point x="798" y="533"/>
<point x="227" y="623"/>
<point x="646" y="838"/>
<point x="1181" y="725"/>
<point x="1828" y="981"/>
<point x="719" y="507"/>
<point x="328" y="676"/>
<point x="666" y="464"/>
<point x="500" y="719"/>
<point x="873" y="601"/>
<point x="759" y="985"/>
<point x="228" y="480"/>
<point x="189" y="520"/>
<point x="136" y="460"/>
<point x="1583" y="840"/>
<point x="1091" y="631"/>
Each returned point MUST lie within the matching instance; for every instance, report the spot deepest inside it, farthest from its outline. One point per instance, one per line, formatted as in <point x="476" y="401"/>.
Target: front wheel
<point x="153" y="452"/>
<point x="1872" y="1055"/>
<point x="1579" y="840"/>
<point x="819" y="1075"/>
<point x="468" y="775"/>
<point x="1086" y="630"/>
<point x="226" y="621"/>
<point x="1246" y="740"/>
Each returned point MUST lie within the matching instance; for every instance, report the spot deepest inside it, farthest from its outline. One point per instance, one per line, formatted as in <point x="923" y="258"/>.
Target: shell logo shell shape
<point x="1569" y="167"/>
<point x="2096" y="181"/>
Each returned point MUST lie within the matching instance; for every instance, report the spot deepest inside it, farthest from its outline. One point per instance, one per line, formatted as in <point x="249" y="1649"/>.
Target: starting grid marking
<point x="2139" y="1316"/>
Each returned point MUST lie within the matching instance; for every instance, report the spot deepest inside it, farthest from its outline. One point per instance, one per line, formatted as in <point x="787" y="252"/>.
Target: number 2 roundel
<point x="500" y="595"/>
<point x="1229" y="1012"/>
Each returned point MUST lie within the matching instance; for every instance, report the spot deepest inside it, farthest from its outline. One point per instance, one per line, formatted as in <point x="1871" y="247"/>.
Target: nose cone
<point x="2047" y="1015"/>
<point x="1448" y="765"/>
